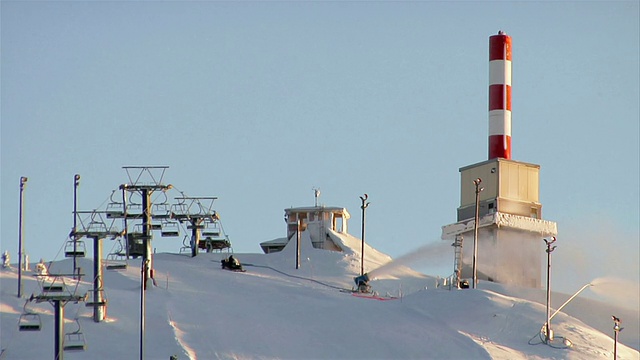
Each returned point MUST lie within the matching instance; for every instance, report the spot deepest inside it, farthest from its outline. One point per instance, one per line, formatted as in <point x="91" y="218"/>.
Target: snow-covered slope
<point x="274" y="311"/>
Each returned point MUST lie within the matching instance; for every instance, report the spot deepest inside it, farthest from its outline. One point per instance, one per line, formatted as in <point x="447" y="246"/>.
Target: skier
<point x="6" y="259"/>
<point x="41" y="268"/>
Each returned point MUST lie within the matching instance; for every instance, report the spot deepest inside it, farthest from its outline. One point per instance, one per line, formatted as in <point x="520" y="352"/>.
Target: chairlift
<point x="170" y="229"/>
<point x="29" y="320"/>
<point x="179" y="209"/>
<point x="52" y="284"/>
<point x="211" y="229"/>
<point x="114" y="210"/>
<point x="211" y="245"/>
<point x="96" y="226"/>
<point x="161" y="211"/>
<point x="74" y="341"/>
<point x="134" y="210"/>
<point x="95" y="298"/>
<point x="117" y="260"/>
<point x="75" y="248"/>
<point x="156" y="226"/>
<point x="186" y="247"/>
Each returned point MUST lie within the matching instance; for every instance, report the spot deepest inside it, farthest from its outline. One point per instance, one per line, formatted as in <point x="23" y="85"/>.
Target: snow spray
<point x="434" y="251"/>
<point x="619" y="291"/>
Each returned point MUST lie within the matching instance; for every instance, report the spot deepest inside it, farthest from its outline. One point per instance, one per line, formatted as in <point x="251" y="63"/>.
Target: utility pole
<point x="364" y="206"/>
<point x="23" y="181"/>
<point x="476" y="182"/>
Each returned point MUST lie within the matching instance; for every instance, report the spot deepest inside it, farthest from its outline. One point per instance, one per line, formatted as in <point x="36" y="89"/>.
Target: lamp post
<point x="476" y="182"/>
<point x="23" y="181"/>
<point x="616" y="330"/>
<point x="548" y="336"/>
<point x="365" y="204"/>
<point x="76" y="183"/>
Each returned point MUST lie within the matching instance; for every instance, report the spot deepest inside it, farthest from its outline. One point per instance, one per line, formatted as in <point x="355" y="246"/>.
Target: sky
<point x="258" y="103"/>
<point x="273" y="311"/>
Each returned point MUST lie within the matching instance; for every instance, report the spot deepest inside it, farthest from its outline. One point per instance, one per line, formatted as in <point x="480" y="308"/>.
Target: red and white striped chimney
<point x="500" y="96"/>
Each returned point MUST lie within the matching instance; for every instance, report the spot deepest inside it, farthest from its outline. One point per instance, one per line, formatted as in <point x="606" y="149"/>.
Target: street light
<point x="365" y="204"/>
<point x="476" y="182"/>
<point x="23" y="181"/>
<point x="548" y="336"/>
<point x="76" y="183"/>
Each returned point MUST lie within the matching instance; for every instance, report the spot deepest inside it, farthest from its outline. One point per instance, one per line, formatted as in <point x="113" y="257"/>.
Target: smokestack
<point x="500" y="96"/>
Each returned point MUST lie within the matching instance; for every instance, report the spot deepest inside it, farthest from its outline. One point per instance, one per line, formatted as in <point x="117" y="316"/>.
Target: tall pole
<point x="616" y="330"/>
<point x="76" y="183"/>
<point x="124" y="215"/>
<point x="59" y="330"/>
<point x="23" y="181"/>
<point x="476" y="182"/>
<point x="548" y="337"/>
<point x="146" y="230"/>
<point x="98" y="310"/>
<point x="365" y="204"/>
<point x="298" y="240"/>
<point x="145" y="264"/>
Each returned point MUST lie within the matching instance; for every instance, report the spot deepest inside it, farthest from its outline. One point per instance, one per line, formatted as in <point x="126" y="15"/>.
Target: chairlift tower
<point x="97" y="229"/>
<point x="143" y="180"/>
<point x="58" y="300"/>
<point x="195" y="211"/>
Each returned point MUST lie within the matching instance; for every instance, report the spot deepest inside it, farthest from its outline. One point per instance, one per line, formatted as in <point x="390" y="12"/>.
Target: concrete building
<point x="318" y="220"/>
<point x="510" y="242"/>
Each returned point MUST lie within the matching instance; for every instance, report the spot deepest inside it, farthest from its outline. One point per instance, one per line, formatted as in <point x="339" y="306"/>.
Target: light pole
<point x="548" y="336"/>
<point x="616" y="330"/>
<point x="23" y="181"/>
<point x="143" y="309"/>
<point x="365" y="204"/>
<point x="76" y="183"/>
<point x="476" y="182"/>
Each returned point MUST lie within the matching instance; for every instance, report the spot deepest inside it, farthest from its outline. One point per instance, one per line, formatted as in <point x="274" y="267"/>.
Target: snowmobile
<point x="231" y="264"/>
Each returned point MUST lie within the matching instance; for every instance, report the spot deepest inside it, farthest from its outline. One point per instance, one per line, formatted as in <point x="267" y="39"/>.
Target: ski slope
<point x="196" y="310"/>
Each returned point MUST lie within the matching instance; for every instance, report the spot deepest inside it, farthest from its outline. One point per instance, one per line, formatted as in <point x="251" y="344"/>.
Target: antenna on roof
<point x="316" y="194"/>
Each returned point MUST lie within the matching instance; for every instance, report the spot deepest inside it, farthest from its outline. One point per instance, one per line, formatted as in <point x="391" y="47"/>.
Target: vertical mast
<point x="500" y="96"/>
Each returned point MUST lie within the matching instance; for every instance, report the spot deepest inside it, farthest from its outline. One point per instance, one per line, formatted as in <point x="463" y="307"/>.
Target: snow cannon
<point x="362" y="283"/>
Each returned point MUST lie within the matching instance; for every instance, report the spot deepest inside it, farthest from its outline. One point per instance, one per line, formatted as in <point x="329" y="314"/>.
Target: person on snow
<point x="41" y="268"/>
<point x="6" y="259"/>
<point x="234" y="263"/>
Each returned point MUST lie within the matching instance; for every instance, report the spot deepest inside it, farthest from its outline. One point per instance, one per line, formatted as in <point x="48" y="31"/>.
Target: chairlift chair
<point x="134" y="210"/>
<point x="114" y="210"/>
<point x="74" y="248"/>
<point x="96" y="226"/>
<point x="116" y="261"/>
<point x="186" y="247"/>
<point x="161" y="211"/>
<point x="170" y="229"/>
<point x="52" y="284"/>
<point x="74" y="341"/>
<point x="94" y="301"/>
<point x="29" y="321"/>
<point x="211" y="229"/>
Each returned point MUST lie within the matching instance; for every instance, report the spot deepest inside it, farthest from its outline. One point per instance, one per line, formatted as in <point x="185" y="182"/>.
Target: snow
<point x="196" y="310"/>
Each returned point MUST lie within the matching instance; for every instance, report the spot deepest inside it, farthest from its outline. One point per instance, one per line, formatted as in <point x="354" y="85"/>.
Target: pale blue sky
<point x="259" y="102"/>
